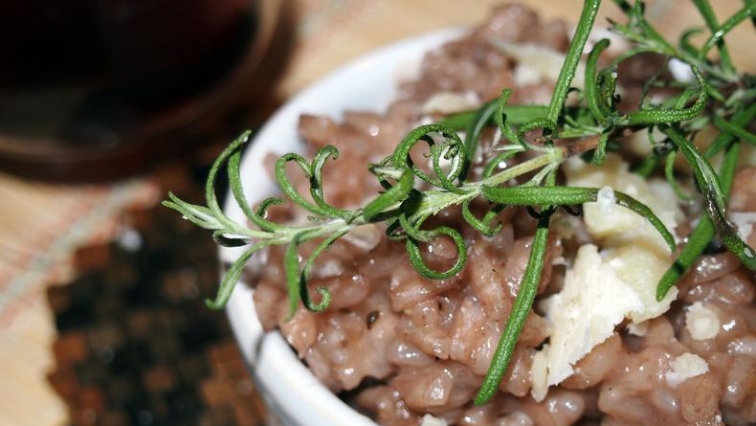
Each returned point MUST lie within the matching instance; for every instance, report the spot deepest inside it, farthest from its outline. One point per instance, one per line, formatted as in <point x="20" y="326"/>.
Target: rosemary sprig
<point x="717" y="96"/>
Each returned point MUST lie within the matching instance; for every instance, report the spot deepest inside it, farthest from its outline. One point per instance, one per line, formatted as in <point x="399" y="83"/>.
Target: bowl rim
<point x="289" y="388"/>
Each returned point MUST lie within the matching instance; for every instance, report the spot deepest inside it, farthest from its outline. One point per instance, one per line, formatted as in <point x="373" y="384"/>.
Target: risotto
<point x="405" y="349"/>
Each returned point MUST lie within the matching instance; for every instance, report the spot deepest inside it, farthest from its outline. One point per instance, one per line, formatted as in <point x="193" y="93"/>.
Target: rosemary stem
<point x="739" y="120"/>
<point x="519" y="314"/>
<point x="436" y="200"/>
<point x="516" y="114"/>
<point x="551" y="156"/>
<point x="737" y="131"/>
<point x="703" y="232"/>
<point x="706" y="11"/>
<point x="748" y="11"/>
<point x="567" y="73"/>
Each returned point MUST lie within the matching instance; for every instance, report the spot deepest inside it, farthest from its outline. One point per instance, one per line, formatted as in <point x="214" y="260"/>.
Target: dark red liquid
<point x="92" y="74"/>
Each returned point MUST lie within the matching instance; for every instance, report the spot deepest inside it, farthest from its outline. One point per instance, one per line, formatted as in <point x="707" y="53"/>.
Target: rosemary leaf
<point x="704" y="7"/>
<point x="703" y="232"/>
<point x="571" y="195"/>
<point x="574" y="53"/>
<point x="520" y="310"/>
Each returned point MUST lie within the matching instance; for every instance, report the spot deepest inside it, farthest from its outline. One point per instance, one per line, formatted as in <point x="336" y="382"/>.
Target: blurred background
<point x="105" y="105"/>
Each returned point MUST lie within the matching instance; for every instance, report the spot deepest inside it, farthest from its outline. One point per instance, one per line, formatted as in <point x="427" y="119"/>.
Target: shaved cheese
<point x="594" y="300"/>
<point x="638" y="329"/>
<point x="537" y="63"/>
<point x="641" y="268"/>
<point x="429" y="420"/>
<point x="684" y="367"/>
<point x="702" y="323"/>
<point x="451" y="102"/>
<point x="617" y="223"/>
<point x="632" y="246"/>
<point x="608" y="285"/>
<point x="743" y="222"/>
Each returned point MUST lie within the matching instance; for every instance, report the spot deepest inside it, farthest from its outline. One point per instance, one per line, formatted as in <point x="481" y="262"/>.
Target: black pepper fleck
<point x="372" y="318"/>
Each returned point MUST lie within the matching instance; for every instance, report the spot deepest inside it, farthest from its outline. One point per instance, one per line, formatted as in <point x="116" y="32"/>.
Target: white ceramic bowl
<point x="294" y="396"/>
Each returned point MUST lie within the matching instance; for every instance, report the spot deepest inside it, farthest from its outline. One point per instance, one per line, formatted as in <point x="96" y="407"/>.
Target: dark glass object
<point x="90" y="80"/>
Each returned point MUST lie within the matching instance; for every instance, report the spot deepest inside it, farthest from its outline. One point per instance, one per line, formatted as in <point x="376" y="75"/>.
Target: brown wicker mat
<point x="136" y="344"/>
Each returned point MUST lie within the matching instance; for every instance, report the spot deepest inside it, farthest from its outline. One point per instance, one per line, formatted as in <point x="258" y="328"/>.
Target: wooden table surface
<point x="41" y="223"/>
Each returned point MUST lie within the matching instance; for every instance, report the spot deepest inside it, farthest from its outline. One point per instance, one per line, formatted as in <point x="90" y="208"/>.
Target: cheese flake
<point x="632" y="246"/>
<point x="684" y="367"/>
<point x="430" y="420"/>
<point x="604" y="287"/>
<point x="701" y="322"/>
<point x="593" y="301"/>
<point x="537" y="63"/>
<point x="615" y="225"/>
<point x="451" y="102"/>
<point x="743" y="222"/>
